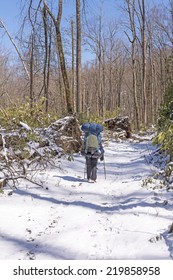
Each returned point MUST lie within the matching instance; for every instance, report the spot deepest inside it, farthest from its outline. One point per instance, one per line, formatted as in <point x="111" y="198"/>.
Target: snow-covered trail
<point x="70" y="218"/>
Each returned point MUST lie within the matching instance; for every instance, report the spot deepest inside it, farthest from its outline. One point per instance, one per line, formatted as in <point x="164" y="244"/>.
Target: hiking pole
<point x="104" y="165"/>
<point x="84" y="170"/>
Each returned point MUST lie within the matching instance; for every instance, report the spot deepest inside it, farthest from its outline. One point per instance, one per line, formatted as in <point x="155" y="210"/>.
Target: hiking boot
<point x="91" y="181"/>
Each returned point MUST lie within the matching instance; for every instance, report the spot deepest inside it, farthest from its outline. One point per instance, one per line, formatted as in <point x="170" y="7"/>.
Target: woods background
<point x="128" y="71"/>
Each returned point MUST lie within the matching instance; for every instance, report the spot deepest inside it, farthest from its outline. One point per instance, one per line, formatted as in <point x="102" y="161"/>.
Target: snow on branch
<point x="25" y="126"/>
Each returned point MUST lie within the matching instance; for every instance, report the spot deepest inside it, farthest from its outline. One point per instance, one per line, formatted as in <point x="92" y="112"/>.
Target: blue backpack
<point x="92" y="128"/>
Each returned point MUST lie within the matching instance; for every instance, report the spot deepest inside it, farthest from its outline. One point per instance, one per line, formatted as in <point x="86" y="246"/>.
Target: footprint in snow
<point x="31" y="255"/>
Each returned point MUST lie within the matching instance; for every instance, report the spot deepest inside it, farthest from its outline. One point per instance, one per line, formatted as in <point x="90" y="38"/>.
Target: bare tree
<point x="73" y="65"/>
<point x="131" y="14"/>
<point x="142" y="21"/>
<point x="31" y="71"/>
<point x="78" y="55"/>
<point x="57" y="22"/>
<point x="46" y="70"/>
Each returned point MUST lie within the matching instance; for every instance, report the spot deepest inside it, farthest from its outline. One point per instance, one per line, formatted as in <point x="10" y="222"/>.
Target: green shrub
<point x="166" y="110"/>
<point x="34" y="117"/>
<point x="164" y="136"/>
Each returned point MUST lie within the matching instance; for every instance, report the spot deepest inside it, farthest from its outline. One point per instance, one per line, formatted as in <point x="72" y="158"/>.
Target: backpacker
<point x="92" y="139"/>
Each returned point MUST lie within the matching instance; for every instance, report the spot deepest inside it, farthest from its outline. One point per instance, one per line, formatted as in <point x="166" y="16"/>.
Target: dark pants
<point x="91" y="164"/>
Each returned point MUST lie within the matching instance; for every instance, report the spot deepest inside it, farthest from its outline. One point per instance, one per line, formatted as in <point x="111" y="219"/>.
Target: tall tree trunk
<point x="143" y="36"/>
<point x="152" y="76"/>
<point x="46" y="75"/>
<point x="131" y="14"/>
<point x="72" y="66"/>
<point x="78" y="55"/>
<point x="137" y="115"/>
<point x="110" y="91"/>
<point x="100" y="67"/>
<point x="32" y="72"/>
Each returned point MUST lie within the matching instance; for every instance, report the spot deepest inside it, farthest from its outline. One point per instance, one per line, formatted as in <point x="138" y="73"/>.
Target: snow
<point x="25" y="126"/>
<point x="70" y="219"/>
